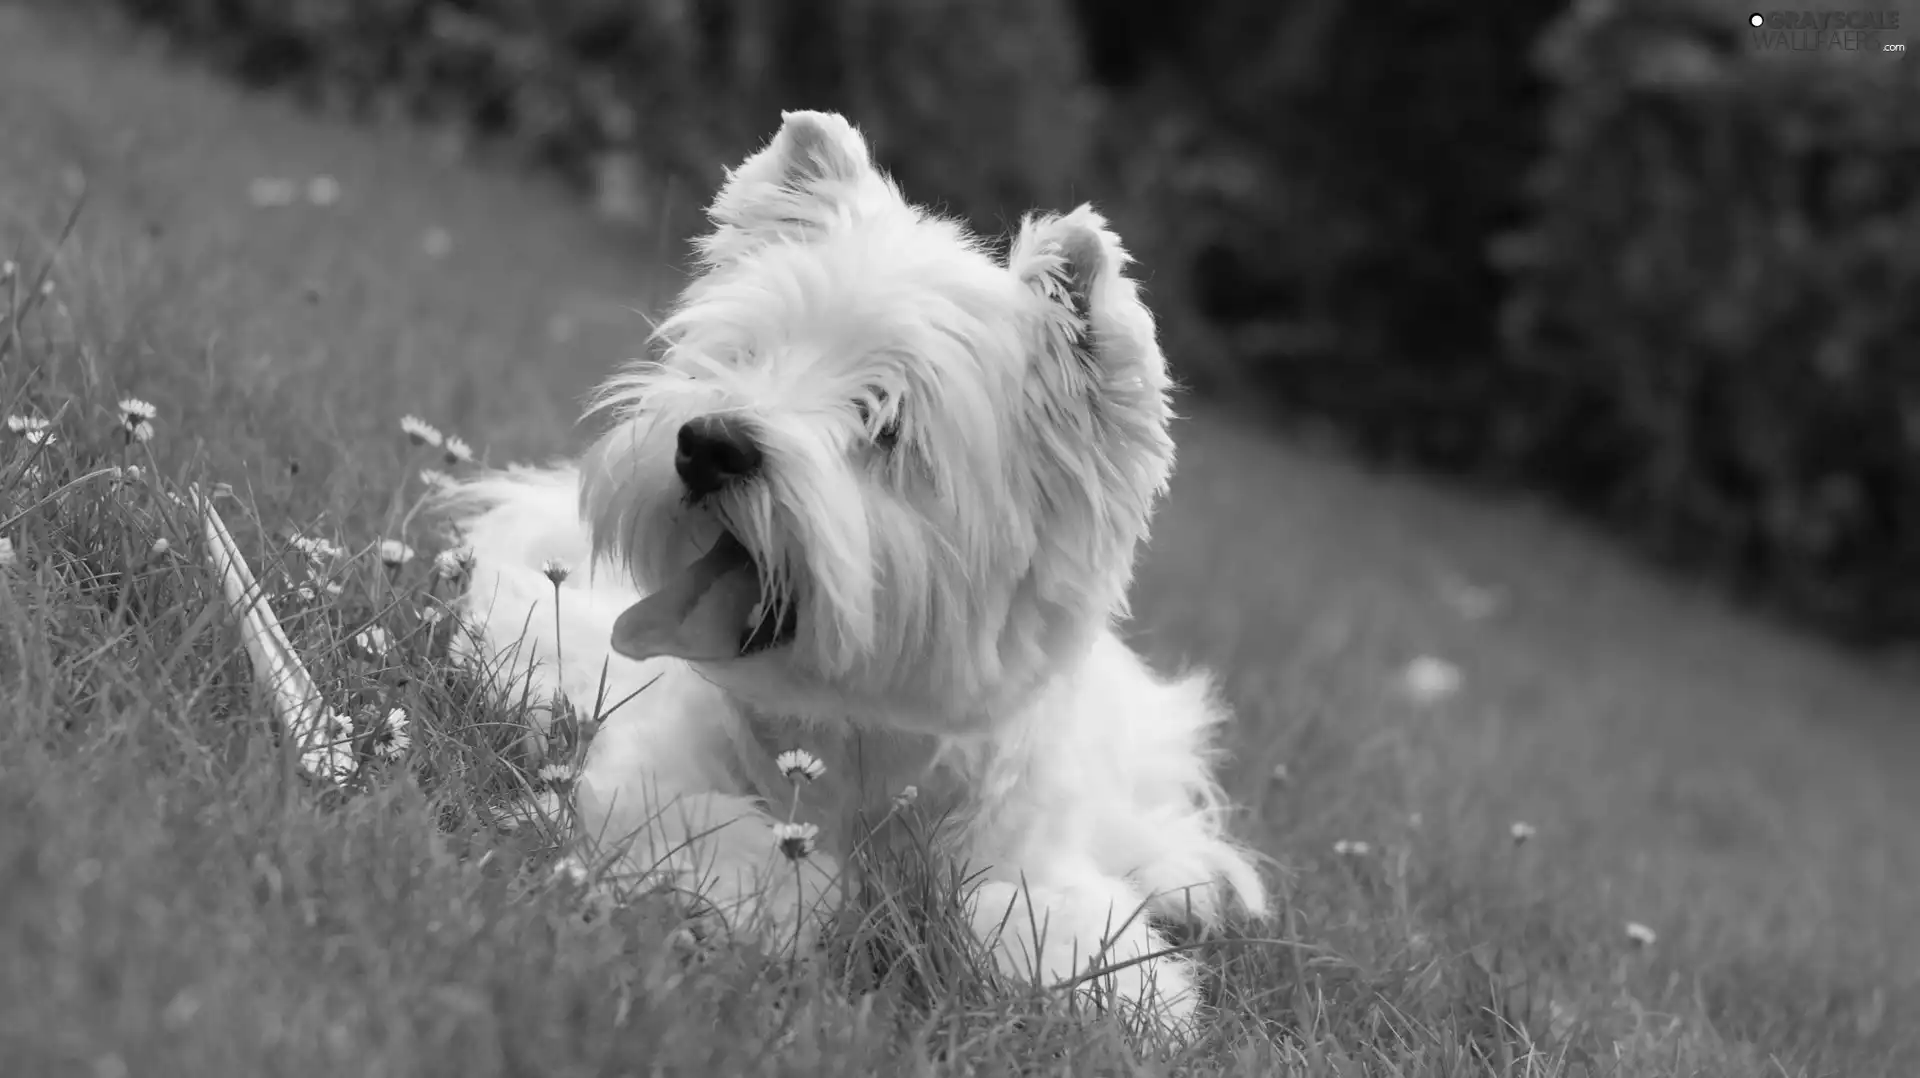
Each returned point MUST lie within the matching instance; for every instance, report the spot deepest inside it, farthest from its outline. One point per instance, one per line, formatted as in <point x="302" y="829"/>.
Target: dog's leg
<point x="717" y="852"/>
<point x="1090" y="931"/>
<point x="1155" y="809"/>
<point x="659" y="801"/>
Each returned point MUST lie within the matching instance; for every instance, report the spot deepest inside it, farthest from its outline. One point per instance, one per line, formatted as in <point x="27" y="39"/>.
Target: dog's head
<point x="874" y="472"/>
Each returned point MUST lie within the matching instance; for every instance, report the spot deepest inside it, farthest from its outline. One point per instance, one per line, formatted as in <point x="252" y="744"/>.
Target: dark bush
<point x="979" y="104"/>
<point x="1319" y="181"/>
<point x="1692" y="328"/>
<point x="1715" y="305"/>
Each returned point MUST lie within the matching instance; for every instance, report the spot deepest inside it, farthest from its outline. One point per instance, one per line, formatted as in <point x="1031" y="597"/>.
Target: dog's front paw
<point x="1092" y="939"/>
<point x="778" y="903"/>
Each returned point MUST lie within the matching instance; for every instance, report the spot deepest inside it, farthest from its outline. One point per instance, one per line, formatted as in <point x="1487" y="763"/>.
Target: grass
<point x="172" y="902"/>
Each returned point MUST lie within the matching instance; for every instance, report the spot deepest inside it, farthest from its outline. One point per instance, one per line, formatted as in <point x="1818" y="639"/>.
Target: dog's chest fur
<point x="867" y="773"/>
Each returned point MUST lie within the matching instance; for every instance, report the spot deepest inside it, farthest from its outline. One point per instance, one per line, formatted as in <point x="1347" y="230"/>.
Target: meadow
<point x="1533" y="810"/>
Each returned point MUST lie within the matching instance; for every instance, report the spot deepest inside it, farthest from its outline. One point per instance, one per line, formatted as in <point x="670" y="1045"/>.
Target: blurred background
<point x="1613" y="252"/>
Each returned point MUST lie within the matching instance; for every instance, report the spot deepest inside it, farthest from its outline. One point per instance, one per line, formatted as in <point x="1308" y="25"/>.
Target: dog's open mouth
<point x="713" y="610"/>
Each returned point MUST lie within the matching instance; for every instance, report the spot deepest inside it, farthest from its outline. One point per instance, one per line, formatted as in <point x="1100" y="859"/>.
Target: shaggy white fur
<point x="879" y="497"/>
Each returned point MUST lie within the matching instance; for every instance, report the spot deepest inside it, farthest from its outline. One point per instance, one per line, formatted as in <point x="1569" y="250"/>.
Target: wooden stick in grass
<point x="326" y="753"/>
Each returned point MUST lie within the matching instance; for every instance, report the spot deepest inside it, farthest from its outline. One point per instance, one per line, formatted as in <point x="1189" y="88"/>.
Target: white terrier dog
<point x="879" y="498"/>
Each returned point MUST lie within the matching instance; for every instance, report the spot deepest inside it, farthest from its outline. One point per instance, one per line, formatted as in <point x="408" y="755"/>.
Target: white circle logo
<point x="1757" y="19"/>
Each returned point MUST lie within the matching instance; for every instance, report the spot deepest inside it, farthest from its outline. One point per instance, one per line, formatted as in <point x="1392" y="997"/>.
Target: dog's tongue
<point x="700" y="615"/>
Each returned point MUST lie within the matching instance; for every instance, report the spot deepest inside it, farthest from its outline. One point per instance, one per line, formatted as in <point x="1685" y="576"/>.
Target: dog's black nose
<point x="715" y="450"/>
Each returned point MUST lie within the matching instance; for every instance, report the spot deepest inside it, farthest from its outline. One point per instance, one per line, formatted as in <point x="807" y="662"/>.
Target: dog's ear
<point x="1101" y="383"/>
<point x="815" y="164"/>
<point x="1077" y="264"/>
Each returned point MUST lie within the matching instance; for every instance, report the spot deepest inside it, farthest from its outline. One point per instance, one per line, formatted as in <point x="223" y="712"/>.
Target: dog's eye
<point x="885" y="436"/>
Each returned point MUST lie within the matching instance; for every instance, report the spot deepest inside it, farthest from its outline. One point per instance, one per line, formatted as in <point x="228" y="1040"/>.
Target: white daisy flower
<point x="907" y="796"/>
<point x="315" y="547"/>
<point x="1640" y="935"/>
<point x="419" y="431"/>
<point x="1521" y="832"/>
<point x="1351" y="848"/>
<point x="395" y="553"/>
<point x="20" y="424"/>
<point x="334" y="588"/>
<point x="133" y="410"/>
<point x="458" y="451"/>
<point x="797" y="764"/>
<point x="453" y="562"/>
<point x="1429" y="680"/>
<point x="1471" y="601"/>
<point x="305" y="593"/>
<point x="373" y="640"/>
<point x="329" y="753"/>
<point x="431" y="615"/>
<point x="435" y="479"/>
<point x="556" y="571"/>
<point x="396" y="734"/>
<point x="796" y="840"/>
<point x="573" y="870"/>
<point x="556" y="774"/>
<point x="323" y="190"/>
<point x="160" y="546"/>
<point x="40" y="436"/>
<point x="272" y="191"/>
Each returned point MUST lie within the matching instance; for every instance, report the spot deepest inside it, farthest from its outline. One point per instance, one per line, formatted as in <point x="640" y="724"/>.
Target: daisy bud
<point x="373" y="641"/>
<point x="556" y="571"/>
